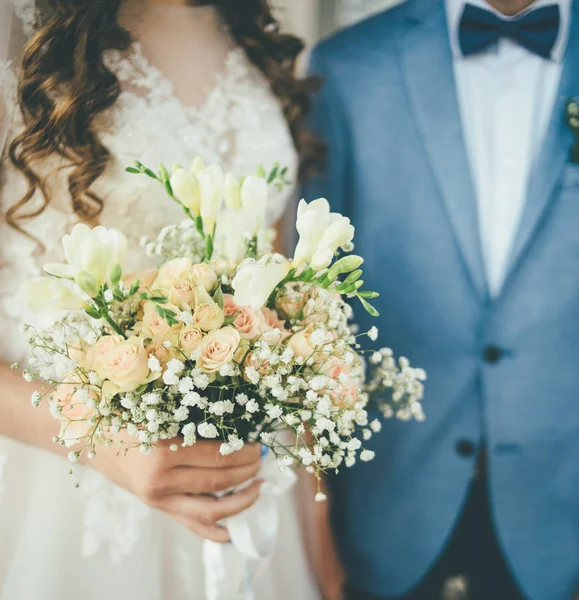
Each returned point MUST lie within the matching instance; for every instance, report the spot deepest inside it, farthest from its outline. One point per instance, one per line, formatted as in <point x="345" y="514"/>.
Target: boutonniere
<point x="572" y="118"/>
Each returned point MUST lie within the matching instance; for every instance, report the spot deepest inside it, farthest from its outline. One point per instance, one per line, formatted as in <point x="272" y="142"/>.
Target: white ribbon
<point x="229" y="568"/>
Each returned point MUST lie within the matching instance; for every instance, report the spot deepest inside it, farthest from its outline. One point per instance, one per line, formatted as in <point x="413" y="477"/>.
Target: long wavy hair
<point x="64" y="85"/>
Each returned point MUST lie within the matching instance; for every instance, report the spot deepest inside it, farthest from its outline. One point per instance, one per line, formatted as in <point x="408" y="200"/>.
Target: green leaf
<point x="168" y="188"/>
<point x="151" y="174"/>
<point x="169" y="313"/>
<point x="132" y="170"/>
<point x="230" y="319"/>
<point x="116" y="274"/>
<point x="369" y="308"/>
<point x="273" y="174"/>
<point x="352" y="278"/>
<point x="307" y="275"/>
<point x="144" y="296"/>
<point x="218" y="297"/>
<point x="160" y="311"/>
<point x="92" y="312"/>
<point x="159" y="299"/>
<point x="369" y="295"/>
<point x="136" y="285"/>
<point x="118" y="296"/>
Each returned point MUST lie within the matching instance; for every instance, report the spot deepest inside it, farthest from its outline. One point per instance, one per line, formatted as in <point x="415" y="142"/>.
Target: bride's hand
<point x="180" y="483"/>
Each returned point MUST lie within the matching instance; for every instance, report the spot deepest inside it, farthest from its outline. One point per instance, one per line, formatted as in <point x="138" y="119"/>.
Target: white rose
<point x="94" y="251"/>
<point x="254" y="283"/>
<point x="210" y="196"/>
<point x="186" y="189"/>
<point x="45" y="294"/>
<point x="321" y="234"/>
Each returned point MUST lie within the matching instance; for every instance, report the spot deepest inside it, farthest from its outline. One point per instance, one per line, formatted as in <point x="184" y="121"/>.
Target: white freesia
<point x="321" y="234"/>
<point x="211" y="183"/>
<point x="254" y="201"/>
<point x="254" y="283"/>
<point x="186" y="189"/>
<point x="94" y="251"/>
<point x="45" y="294"/>
<point x="232" y="192"/>
<point x="232" y="235"/>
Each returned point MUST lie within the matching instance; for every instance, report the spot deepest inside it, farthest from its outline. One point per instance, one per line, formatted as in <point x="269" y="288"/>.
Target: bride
<point x="94" y="85"/>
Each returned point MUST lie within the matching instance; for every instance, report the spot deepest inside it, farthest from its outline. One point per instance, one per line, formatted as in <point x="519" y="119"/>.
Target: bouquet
<point x="223" y="339"/>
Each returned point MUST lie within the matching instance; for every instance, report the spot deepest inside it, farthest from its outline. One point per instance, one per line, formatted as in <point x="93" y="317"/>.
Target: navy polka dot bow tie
<point x="537" y="30"/>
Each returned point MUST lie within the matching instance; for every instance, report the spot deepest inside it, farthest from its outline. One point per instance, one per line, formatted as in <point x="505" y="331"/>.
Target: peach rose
<point x="72" y="398"/>
<point x="126" y="364"/>
<point x="157" y="328"/>
<point x="146" y="279"/>
<point x="344" y="392"/>
<point x="162" y="354"/>
<point x="220" y="266"/>
<point x="273" y="322"/>
<point x="249" y="322"/>
<point x="190" y="338"/>
<point x="218" y="348"/>
<point x="291" y="301"/>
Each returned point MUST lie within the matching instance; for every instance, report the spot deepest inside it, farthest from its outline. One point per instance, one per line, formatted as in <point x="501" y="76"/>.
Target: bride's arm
<point x="19" y="420"/>
<point x="177" y="483"/>
<point x="317" y="532"/>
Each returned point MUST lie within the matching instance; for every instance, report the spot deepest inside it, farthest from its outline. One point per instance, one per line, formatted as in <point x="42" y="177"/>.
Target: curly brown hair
<point x="64" y="85"/>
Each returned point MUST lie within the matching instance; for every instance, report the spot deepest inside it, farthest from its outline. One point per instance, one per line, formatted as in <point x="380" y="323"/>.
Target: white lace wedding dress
<point x="202" y="97"/>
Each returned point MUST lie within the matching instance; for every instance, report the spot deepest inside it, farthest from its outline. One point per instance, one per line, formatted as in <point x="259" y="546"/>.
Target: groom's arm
<point x="327" y="121"/>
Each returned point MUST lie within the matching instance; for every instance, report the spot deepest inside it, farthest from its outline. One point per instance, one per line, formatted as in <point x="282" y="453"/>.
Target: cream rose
<point x="182" y="294"/>
<point x="204" y="275"/>
<point x="178" y="269"/>
<point x="95" y="354"/>
<point x="190" y="338"/>
<point x="249" y="322"/>
<point x="301" y="344"/>
<point x="208" y="315"/>
<point x="73" y="397"/>
<point x="218" y="348"/>
<point x="126" y="364"/>
<point x="157" y="328"/>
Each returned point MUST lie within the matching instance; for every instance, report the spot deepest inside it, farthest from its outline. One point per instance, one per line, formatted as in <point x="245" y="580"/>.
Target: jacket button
<point x="465" y="448"/>
<point x="492" y="354"/>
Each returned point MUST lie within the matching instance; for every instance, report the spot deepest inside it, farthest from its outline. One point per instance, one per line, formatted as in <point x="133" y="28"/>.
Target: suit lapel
<point x="555" y="152"/>
<point x="428" y="71"/>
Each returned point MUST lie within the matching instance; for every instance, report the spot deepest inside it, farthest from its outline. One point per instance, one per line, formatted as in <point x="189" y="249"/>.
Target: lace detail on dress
<point x="113" y="519"/>
<point x="25" y="10"/>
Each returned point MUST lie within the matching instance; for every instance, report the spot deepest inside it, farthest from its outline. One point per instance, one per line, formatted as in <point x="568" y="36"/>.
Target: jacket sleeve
<point x="327" y="122"/>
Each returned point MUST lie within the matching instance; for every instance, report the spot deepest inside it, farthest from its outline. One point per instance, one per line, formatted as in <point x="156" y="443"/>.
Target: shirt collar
<point x="454" y="10"/>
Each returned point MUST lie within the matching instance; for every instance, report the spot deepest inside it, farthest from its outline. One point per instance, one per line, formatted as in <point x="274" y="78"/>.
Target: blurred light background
<point x="312" y="19"/>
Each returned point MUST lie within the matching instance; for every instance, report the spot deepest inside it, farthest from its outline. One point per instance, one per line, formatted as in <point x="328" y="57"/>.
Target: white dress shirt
<point x="506" y="97"/>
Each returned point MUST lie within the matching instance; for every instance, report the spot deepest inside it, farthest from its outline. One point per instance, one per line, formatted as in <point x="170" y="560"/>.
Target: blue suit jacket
<point x="398" y="167"/>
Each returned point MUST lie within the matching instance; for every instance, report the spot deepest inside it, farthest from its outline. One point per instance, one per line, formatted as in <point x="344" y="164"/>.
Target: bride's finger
<point x="208" y="511"/>
<point x="216" y="533"/>
<point x="207" y="454"/>
<point x="189" y="480"/>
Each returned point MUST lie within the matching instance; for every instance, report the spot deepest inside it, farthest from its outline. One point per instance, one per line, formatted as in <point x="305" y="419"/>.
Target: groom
<point x="448" y="147"/>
